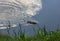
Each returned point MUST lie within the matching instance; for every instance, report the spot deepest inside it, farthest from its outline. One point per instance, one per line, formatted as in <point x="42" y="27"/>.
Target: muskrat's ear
<point x="32" y="22"/>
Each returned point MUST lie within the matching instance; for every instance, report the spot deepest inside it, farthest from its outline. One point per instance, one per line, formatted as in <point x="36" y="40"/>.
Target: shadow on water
<point x="50" y="14"/>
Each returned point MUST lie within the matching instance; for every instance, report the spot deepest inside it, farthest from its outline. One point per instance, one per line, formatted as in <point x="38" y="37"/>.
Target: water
<point x="49" y="16"/>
